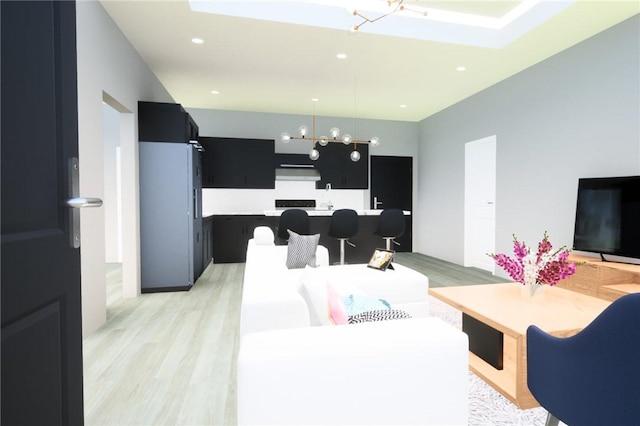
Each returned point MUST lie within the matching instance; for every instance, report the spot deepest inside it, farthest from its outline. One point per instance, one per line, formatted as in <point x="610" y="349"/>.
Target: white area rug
<point x="487" y="407"/>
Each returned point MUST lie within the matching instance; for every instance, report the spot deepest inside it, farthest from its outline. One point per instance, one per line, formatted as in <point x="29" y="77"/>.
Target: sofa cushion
<point x="380" y="315"/>
<point x="313" y="290"/>
<point x="301" y="250"/>
<point x="337" y="310"/>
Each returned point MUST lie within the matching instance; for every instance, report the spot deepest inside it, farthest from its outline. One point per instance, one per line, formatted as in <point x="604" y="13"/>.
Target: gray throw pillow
<point x="301" y="250"/>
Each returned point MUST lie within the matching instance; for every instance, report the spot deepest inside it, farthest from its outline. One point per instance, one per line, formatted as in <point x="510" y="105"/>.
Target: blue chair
<point x="593" y="377"/>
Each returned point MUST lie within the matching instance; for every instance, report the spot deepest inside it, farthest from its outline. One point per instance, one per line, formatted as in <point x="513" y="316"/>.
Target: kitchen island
<point x="232" y="231"/>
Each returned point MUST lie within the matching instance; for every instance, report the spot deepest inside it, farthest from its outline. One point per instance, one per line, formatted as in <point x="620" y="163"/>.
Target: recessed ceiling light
<point x="461" y="68"/>
<point x="215" y="92"/>
<point x="341" y="56"/>
<point x="314" y="99"/>
<point x="403" y="106"/>
<point x="197" y="40"/>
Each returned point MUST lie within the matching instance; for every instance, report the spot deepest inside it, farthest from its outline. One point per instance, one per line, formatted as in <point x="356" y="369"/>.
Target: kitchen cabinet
<point x="336" y="167"/>
<point x="231" y="233"/>
<point x="165" y="122"/>
<point x="238" y="163"/>
<point x="207" y="241"/>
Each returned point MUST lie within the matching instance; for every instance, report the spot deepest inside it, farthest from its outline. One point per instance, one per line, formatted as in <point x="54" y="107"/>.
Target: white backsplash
<point x="257" y="200"/>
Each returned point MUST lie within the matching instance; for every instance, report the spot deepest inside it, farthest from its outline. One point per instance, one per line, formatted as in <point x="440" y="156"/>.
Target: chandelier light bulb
<point x="375" y="141"/>
<point x="323" y="141"/>
<point x="285" y="137"/>
<point x="335" y="132"/>
<point x="303" y="130"/>
<point x="346" y="139"/>
<point x="314" y="154"/>
<point x="355" y="156"/>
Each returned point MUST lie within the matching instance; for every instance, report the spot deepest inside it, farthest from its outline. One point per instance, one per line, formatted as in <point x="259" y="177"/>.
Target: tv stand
<point x="602" y="278"/>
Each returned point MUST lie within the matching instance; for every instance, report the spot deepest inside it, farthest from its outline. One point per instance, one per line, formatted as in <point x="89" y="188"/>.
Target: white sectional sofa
<point x="295" y="367"/>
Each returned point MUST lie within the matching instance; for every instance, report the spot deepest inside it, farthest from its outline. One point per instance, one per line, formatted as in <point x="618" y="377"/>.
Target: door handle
<point x="376" y="203"/>
<point x="81" y="202"/>
<point x="76" y="202"/>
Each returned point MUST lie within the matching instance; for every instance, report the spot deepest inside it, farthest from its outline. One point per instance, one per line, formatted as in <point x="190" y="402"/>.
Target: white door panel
<point x="480" y="194"/>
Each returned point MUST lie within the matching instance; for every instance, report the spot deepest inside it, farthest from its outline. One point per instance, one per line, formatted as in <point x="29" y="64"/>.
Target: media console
<point x="602" y="279"/>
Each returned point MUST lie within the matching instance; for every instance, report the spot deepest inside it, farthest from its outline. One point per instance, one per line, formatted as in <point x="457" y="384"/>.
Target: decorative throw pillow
<point x="357" y="304"/>
<point x="301" y="250"/>
<point x="382" y="315"/>
<point x="337" y="310"/>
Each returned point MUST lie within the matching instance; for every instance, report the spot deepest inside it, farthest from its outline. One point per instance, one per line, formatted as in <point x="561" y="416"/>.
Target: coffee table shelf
<point x="557" y="311"/>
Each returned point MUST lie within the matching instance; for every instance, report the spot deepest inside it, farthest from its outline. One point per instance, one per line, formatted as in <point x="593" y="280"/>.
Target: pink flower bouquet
<point x="542" y="267"/>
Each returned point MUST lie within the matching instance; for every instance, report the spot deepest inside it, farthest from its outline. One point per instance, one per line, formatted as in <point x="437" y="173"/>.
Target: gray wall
<point x="574" y="115"/>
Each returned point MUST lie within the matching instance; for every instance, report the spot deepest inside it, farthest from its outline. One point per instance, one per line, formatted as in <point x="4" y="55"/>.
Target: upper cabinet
<point x="238" y="163"/>
<point x="165" y="122"/>
<point x="336" y="167"/>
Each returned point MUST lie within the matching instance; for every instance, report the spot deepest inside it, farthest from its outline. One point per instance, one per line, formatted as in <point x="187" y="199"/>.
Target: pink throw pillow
<point x="337" y="309"/>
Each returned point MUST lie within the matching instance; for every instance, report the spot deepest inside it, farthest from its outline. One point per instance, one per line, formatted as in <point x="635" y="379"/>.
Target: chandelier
<point x="394" y="6"/>
<point x="334" y="133"/>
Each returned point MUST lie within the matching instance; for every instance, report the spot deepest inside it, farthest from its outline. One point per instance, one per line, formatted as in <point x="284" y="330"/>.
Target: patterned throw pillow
<point x="301" y="250"/>
<point x="381" y="315"/>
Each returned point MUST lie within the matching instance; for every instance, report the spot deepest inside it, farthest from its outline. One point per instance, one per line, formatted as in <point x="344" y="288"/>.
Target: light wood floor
<point x="170" y="358"/>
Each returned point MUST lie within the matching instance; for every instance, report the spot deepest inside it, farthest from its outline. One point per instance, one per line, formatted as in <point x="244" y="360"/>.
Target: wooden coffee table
<point x="503" y="310"/>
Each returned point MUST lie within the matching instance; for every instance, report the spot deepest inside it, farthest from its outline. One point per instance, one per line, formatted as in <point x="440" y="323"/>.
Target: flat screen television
<point x="608" y="216"/>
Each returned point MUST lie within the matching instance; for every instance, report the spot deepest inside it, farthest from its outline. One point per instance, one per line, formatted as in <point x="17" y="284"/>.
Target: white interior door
<point x="480" y="205"/>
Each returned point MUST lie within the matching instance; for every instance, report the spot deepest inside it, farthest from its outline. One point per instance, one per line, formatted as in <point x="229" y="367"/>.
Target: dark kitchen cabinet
<point x="336" y="167"/>
<point x="165" y="122"/>
<point x="231" y="233"/>
<point x="207" y="241"/>
<point x="238" y="163"/>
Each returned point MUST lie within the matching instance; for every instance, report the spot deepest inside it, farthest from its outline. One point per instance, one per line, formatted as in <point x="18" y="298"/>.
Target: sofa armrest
<point x="411" y="371"/>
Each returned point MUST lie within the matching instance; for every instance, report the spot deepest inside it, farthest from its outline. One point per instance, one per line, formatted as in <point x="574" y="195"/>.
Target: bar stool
<point x="344" y="225"/>
<point x="390" y="226"/>
<point x="296" y="220"/>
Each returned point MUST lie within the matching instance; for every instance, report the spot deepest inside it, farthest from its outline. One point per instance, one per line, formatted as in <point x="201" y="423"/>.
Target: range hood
<point x="304" y="172"/>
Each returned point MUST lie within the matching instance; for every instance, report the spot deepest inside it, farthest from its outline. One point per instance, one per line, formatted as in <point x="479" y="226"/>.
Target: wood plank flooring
<point x="170" y="358"/>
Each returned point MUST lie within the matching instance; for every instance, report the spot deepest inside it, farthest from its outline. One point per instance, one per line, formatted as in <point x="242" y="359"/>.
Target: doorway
<point x="392" y="187"/>
<point x="479" y="203"/>
<point x="120" y="199"/>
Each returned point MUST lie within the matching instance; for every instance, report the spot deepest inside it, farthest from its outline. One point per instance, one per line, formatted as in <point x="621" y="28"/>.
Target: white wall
<point x="574" y="115"/>
<point x="108" y="68"/>
<point x="397" y="138"/>
<point x="112" y="196"/>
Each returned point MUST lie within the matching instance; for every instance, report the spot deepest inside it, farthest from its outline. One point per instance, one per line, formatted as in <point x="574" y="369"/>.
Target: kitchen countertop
<point x="311" y="212"/>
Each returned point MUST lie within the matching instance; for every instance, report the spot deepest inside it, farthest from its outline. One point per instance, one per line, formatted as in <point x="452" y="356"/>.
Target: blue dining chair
<point x="592" y="377"/>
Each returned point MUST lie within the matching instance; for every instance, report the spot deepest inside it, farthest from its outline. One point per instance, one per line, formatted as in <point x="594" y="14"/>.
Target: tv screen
<point x="608" y="216"/>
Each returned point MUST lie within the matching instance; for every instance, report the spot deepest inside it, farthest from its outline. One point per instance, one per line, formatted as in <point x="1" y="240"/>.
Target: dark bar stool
<point x="390" y="226"/>
<point x="296" y="220"/>
<point x="344" y="225"/>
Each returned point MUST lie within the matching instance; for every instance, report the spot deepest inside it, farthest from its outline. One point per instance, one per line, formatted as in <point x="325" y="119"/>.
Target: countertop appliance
<point x="295" y="204"/>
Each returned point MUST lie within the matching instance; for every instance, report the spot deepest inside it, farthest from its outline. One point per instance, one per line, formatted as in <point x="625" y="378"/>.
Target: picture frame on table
<point x="381" y="259"/>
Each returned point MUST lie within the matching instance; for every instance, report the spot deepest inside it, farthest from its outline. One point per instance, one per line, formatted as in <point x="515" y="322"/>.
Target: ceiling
<point x="275" y="56"/>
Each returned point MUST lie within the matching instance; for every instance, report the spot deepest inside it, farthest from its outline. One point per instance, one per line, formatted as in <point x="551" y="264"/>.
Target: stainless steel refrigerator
<point x="171" y="252"/>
